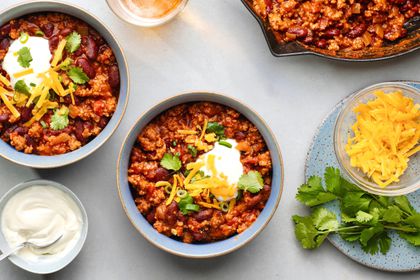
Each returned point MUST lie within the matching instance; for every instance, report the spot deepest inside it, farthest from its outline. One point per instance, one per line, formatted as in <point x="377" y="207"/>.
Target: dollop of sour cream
<point x="40" y="214"/>
<point x="41" y="56"/>
<point x="227" y="164"/>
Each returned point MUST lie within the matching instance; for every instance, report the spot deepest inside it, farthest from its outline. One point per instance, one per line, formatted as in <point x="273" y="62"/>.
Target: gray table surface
<point x="213" y="46"/>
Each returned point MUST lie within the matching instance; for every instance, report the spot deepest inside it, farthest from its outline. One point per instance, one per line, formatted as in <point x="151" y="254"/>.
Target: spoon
<point x="26" y="244"/>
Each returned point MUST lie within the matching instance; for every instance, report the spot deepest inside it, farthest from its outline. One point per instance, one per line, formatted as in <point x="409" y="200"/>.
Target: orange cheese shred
<point x="386" y="134"/>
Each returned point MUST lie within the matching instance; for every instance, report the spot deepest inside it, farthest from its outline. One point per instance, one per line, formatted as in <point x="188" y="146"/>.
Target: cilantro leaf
<point x="216" y="128"/>
<point x="171" y="162"/>
<point x="375" y="239"/>
<point x="73" y="42"/>
<point x="404" y="204"/>
<point x="312" y="193"/>
<point x="413" y="238"/>
<point x="192" y="150"/>
<point x="77" y="75"/>
<point x="22" y="87"/>
<point x="355" y="201"/>
<point x="251" y="182"/>
<point x="312" y="230"/>
<point x="392" y="214"/>
<point x="332" y="179"/>
<point x="60" y="119"/>
<point x="414" y="220"/>
<point x="24" y="57"/>
<point x="186" y="205"/>
<point x="363" y="217"/>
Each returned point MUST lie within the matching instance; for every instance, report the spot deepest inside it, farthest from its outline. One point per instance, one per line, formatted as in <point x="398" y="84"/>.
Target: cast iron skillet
<point x="408" y="44"/>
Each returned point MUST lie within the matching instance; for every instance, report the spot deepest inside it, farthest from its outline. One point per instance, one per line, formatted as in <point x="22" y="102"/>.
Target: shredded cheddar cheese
<point x="386" y="134"/>
<point x="5" y="81"/>
<point x="23" y="73"/>
<point x="186" y="131"/>
<point x="8" y="104"/>
<point x="58" y="54"/>
<point x="173" y="191"/>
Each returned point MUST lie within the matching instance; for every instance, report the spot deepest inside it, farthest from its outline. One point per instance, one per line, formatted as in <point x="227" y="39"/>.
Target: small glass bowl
<point x="409" y="181"/>
<point x="119" y="7"/>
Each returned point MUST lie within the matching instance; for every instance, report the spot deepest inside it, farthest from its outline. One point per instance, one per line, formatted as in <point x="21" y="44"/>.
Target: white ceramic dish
<point x="47" y="266"/>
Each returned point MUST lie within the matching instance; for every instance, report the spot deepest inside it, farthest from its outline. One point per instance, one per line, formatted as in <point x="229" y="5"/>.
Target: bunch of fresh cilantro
<point x="365" y="218"/>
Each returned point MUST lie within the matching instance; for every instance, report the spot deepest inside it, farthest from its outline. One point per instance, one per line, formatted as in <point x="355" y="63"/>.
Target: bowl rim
<point x="77" y="248"/>
<point x="222" y="252"/>
<point x="302" y="51"/>
<point x="370" y="186"/>
<point x="165" y="19"/>
<point x="61" y="163"/>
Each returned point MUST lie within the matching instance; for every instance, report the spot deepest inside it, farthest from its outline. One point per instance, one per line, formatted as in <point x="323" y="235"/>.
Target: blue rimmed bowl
<point x="209" y="249"/>
<point x="38" y="161"/>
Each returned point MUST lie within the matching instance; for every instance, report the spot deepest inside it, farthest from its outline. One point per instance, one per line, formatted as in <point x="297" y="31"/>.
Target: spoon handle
<point x="9" y="251"/>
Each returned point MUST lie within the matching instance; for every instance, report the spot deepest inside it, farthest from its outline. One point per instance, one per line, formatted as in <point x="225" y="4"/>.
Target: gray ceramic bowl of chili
<point x="205" y="250"/>
<point x="38" y="161"/>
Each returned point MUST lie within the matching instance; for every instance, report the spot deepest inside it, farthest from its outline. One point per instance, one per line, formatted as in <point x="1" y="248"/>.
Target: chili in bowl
<point x="200" y="175"/>
<point x="63" y="84"/>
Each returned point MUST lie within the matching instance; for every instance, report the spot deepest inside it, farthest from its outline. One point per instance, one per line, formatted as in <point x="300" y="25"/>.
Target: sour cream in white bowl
<point x="39" y="211"/>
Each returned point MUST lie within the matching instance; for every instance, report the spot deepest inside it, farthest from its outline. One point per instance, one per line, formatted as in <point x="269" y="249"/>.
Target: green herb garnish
<point x="186" y="205"/>
<point x="24" y="37"/>
<point x="77" y="75"/>
<point x="73" y="42"/>
<point x="32" y="84"/>
<point x="365" y="217"/>
<point x="216" y="128"/>
<point x="225" y="143"/>
<point x="251" y="182"/>
<point x="22" y="87"/>
<point x="192" y="150"/>
<point x="171" y="162"/>
<point x="65" y="65"/>
<point x="174" y="143"/>
<point x="60" y="119"/>
<point x="43" y="124"/>
<point x="39" y="33"/>
<point x="24" y="57"/>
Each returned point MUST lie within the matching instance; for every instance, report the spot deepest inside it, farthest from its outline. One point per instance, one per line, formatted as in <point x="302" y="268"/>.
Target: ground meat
<point x="338" y="24"/>
<point x="95" y="101"/>
<point x="162" y="136"/>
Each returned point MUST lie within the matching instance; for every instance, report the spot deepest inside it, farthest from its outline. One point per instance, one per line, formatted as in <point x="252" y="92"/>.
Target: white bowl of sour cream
<point x="39" y="211"/>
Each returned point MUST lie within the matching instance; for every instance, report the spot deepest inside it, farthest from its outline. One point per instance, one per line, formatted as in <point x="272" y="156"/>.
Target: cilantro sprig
<point x="24" y="57"/>
<point x="171" y="162"/>
<point x="365" y="218"/>
<point x="77" y="75"/>
<point x="251" y="182"/>
<point x="73" y="41"/>
<point x="217" y="129"/>
<point x="22" y="87"/>
<point x="60" y="119"/>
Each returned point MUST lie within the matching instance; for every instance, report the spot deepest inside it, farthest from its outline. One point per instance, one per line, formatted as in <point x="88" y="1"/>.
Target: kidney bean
<point x="29" y="141"/>
<point x="65" y="32"/>
<point x="4" y="44"/>
<point x="21" y="130"/>
<point x="322" y="43"/>
<point x="239" y="135"/>
<point x="198" y="235"/>
<point x="151" y="217"/>
<point x="114" y="76"/>
<point x="5" y="30"/>
<point x="48" y="29"/>
<point x="203" y="215"/>
<point x="269" y="4"/>
<point x="330" y="33"/>
<point x="90" y="47"/>
<point x="308" y="39"/>
<point x="102" y="122"/>
<point x="300" y="32"/>
<point x="53" y="42"/>
<point x="26" y="113"/>
<point x="357" y="31"/>
<point x="4" y="117"/>
<point x="78" y="130"/>
<point x="161" y="212"/>
<point x="161" y="174"/>
<point x="86" y="66"/>
<point x="255" y="200"/>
